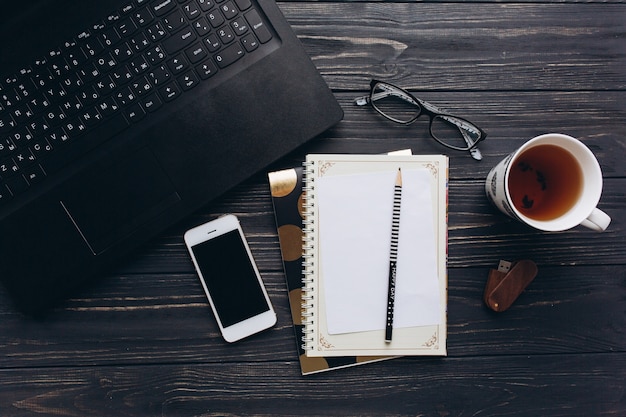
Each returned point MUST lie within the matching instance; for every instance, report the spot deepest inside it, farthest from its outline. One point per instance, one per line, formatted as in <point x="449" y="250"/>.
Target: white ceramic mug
<point x="553" y="182"/>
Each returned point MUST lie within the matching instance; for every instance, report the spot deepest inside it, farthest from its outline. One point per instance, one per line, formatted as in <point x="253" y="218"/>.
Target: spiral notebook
<point x="347" y="221"/>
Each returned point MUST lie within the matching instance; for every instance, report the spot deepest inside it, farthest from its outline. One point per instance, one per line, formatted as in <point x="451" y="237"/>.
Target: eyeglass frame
<point x="424" y="108"/>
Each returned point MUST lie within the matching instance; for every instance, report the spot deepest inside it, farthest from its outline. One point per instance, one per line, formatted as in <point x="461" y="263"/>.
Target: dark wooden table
<point x="143" y="342"/>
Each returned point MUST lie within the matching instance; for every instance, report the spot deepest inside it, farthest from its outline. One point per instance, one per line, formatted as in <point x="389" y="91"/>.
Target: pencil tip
<point x="399" y="177"/>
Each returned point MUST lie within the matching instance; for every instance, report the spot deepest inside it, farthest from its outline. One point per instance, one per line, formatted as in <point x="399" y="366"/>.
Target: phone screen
<point x="230" y="278"/>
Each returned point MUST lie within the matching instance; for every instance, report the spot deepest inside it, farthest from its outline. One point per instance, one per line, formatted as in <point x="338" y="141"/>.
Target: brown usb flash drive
<point x="506" y="283"/>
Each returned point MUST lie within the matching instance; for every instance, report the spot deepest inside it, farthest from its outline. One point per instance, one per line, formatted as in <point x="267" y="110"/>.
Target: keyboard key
<point x="179" y="40"/>
<point x="88" y="96"/>
<point x="226" y="35"/>
<point x="162" y="7"/>
<point x="24" y="158"/>
<point x="156" y="32"/>
<point x="141" y="86"/>
<point x="41" y="148"/>
<point x="125" y="96"/>
<point x="55" y="116"/>
<point x="127" y="8"/>
<point x="229" y="55"/>
<point x="9" y="145"/>
<point x="92" y="47"/>
<point x="177" y="64"/>
<point x="143" y="17"/>
<point x="105" y="85"/>
<point x="202" y="26"/>
<point x="34" y="174"/>
<point x="188" y="81"/>
<point x="134" y="113"/>
<point x="123" y="52"/>
<point x="110" y="37"/>
<point x="229" y="10"/>
<point x="57" y="137"/>
<point x="196" y="53"/>
<point x="258" y="26"/>
<point x="174" y="21"/>
<point x="159" y="76"/>
<point x="139" y="64"/>
<point x="212" y="42"/>
<point x="249" y="42"/>
<point x="76" y="128"/>
<point x="191" y="10"/>
<point x="21" y="135"/>
<point x="108" y="107"/>
<point x="112" y="18"/>
<point x="152" y="102"/>
<point x="90" y="117"/>
<point x="155" y="55"/>
<point x="140" y="41"/>
<point x="89" y="73"/>
<point x="8" y="167"/>
<point x="106" y="62"/>
<point x="170" y="92"/>
<point x="206" y="69"/>
<point x="122" y="75"/>
<point x="6" y="123"/>
<point x="215" y="18"/>
<point x="38" y="126"/>
<point x="126" y="27"/>
<point x="239" y="25"/>
<point x="38" y="103"/>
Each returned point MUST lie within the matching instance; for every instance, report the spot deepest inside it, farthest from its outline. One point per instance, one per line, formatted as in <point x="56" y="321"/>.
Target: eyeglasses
<point x="400" y="106"/>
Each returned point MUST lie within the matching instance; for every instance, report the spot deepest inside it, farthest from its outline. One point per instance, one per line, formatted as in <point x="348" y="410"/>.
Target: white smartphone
<point x="230" y="278"/>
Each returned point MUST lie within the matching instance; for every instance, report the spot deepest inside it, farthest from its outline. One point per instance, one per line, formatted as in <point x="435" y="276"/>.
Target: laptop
<point x="119" y="118"/>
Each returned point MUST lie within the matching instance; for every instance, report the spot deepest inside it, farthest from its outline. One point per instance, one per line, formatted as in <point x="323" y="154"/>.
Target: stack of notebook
<point x="334" y="224"/>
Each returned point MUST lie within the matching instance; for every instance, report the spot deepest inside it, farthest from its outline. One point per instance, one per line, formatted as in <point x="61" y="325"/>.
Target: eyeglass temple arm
<point x="474" y="152"/>
<point x="363" y="100"/>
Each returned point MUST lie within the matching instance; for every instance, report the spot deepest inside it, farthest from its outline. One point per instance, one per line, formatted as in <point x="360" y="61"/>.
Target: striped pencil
<point x="393" y="256"/>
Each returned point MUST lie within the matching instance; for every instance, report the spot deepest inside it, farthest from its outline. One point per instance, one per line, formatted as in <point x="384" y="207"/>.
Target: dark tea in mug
<point x="545" y="182"/>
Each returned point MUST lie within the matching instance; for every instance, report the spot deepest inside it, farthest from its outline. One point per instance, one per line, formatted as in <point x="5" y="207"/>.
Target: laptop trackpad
<point x="119" y="200"/>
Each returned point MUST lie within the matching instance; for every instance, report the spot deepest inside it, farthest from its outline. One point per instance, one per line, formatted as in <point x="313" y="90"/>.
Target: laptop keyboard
<point x="115" y="74"/>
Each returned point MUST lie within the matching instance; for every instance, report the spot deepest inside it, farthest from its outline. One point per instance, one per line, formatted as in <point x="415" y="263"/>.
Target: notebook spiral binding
<point x="308" y="253"/>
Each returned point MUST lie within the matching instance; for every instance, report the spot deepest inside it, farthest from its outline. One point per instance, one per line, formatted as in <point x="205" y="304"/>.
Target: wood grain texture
<point x="142" y="341"/>
<point x="495" y="386"/>
<point x="465" y="46"/>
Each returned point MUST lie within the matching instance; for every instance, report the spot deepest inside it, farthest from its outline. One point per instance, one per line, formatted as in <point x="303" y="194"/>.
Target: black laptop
<point x="118" y="118"/>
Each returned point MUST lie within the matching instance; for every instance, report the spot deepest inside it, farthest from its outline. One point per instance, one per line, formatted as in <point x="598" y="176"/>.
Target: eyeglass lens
<point x="394" y="103"/>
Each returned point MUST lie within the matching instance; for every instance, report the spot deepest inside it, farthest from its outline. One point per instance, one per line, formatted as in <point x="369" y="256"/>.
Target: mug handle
<point x="597" y="220"/>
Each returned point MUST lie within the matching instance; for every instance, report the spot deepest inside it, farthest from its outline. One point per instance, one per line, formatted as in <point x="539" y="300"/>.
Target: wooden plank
<point x="572" y="385"/>
<point x="465" y="46"/>
<point x="164" y="318"/>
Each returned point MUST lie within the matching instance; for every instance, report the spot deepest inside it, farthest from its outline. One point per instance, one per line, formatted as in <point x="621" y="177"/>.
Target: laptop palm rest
<point x="119" y="200"/>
